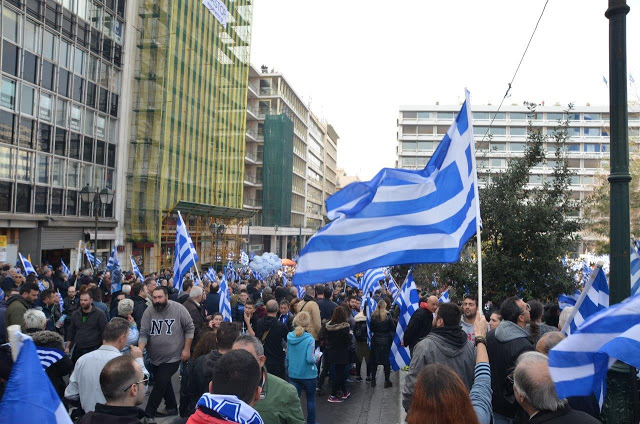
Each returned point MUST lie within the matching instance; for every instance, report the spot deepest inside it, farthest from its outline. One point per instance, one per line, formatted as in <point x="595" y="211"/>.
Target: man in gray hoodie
<point x="448" y="344"/>
<point x="167" y="332"/>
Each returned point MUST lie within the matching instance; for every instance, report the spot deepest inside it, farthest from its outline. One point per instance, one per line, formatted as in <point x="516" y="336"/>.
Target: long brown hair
<point x="205" y="345"/>
<point x="440" y="397"/>
<point x="381" y="311"/>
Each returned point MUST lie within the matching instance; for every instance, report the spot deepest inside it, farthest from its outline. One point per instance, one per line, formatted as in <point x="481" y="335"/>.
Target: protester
<point x="208" y="343"/>
<point x="362" y="347"/>
<point x="116" y="297"/>
<point x="536" y="327"/>
<point x="212" y="303"/>
<point x="383" y="329"/>
<point x="49" y="305"/>
<point x="193" y="306"/>
<point x="85" y="330"/>
<point x="149" y="286"/>
<point x="236" y="384"/>
<point x="309" y="305"/>
<point x="279" y="402"/>
<point x="249" y="320"/>
<point x="122" y="383"/>
<point x="495" y="319"/>
<point x="301" y="362"/>
<point x="71" y="303"/>
<point x="548" y="341"/>
<point x="18" y="304"/>
<point x="187" y="285"/>
<point x="237" y="310"/>
<point x="84" y="383"/>
<point x="51" y="345"/>
<point x="441" y="396"/>
<point x="504" y="345"/>
<point x="535" y="392"/>
<point x="323" y="299"/>
<point x="337" y="338"/>
<point x="564" y="317"/>
<point x="420" y="322"/>
<point x="96" y="295"/>
<point x="167" y="332"/>
<point x="469" y="311"/>
<point x="125" y="311"/>
<point x="446" y="344"/>
<point x="284" y="315"/>
<point x="138" y="295"/>
<point x="273" y="335"/>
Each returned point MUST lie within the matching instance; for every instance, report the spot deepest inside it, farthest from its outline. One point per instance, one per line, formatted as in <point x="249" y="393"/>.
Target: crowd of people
<point x="119" y="349"/>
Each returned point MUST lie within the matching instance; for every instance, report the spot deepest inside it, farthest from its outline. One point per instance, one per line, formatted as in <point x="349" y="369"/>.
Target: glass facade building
<point x="60" y="93"/>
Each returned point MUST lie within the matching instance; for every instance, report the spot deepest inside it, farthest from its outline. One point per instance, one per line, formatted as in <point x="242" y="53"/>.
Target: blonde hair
<point x="301" y="322"/>
<point x="381" y="311"/>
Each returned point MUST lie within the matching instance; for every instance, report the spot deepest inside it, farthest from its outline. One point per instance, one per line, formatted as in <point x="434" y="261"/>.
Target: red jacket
<point x="200" y="417"/>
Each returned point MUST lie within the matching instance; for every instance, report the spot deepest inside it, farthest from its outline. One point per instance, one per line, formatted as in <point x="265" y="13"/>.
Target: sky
<point x="355" y="62"/>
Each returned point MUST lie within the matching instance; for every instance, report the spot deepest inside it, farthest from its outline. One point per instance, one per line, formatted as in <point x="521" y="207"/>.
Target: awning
<point x="210" y="211"/>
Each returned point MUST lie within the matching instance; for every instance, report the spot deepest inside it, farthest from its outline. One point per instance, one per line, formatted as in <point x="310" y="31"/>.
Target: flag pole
<point x="477" y="196"/>
<point x="85" y="254"/>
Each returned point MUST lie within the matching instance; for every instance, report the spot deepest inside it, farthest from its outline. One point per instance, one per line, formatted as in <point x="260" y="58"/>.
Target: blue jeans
<point x="309" y="386"/>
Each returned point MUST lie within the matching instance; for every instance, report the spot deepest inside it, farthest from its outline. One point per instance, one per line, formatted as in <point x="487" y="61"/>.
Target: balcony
<point x="268" y="91"/>
<point x="252" y="135"/>
<point x="252" y="180"/>
<point x="252" y="203"/>
<point x="253" y="89"/>
<point x="252" y="113"/>
<point x="251" y="157"/>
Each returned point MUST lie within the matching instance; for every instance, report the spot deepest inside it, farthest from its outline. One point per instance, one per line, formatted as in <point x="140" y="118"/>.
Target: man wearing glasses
<point x="504" y="345"/>
<point x="84" y="383"/>
<point x="123" y="385"/>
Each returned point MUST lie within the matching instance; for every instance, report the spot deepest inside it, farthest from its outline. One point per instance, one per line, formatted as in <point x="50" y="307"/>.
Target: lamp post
<point x="216" y="230"/>
<point x="105" y="197"/>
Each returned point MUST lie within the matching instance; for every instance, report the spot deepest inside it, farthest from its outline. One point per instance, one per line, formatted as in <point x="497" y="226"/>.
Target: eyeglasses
<point x="527" y="308"/>
<point x="145" y="382"/>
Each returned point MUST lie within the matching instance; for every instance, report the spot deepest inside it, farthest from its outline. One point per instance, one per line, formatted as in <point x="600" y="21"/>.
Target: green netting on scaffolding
<point x="277" y="171"/>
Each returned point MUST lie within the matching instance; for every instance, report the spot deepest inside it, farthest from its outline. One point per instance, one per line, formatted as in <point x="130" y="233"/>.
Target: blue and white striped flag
<point x="185" y="256"/>
<point x="393" y="288"/>
<point x="49" y="356"/>
<point x="409" y="302"/>
<point x="225" y="302"/>
<point x="65" y="268"/>
<point x="113" y="261"/>
<point x="444" y="297"/>
<point x="586" y="273"/>
<point x="41" y="285"/>
<point x="95" y="262"/>
<point x="301" y="292"/>
<point x="60" y="301"/>
<point x="371" y="281"/>
<point x="370" y="306"/>
<point x="578" y="365"/>
<point x="594" y="298"/>
<point x="244" y="258"/>
<point x="285" y="280"/>
<point x="231" y="273"/>
<point x="352" y="282"/>
<point x="136" y="270"/>
<point x="565" y="300"/>
<point x="28" y="268"/>
<point x="211" y="275"/>
<point x="401" y="216"/>
<point x="635" y="269"/>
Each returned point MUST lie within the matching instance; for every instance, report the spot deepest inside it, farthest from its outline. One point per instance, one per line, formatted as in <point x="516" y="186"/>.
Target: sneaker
<point x="388" y="384"/>
<point x="334" y="399"/>
<point x="346" y="395"/>
<point x="351" y="379"/>
<point x="319" y="391"/>
<point x="368" y="379"/>
<point x="358" y="379"/>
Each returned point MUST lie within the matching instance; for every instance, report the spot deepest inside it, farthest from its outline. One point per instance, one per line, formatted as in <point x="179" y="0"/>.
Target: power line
<point x="506" y="94"/>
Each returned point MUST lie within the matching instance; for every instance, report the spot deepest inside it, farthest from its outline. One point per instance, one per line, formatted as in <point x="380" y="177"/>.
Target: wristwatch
<point x="481" y="339"/>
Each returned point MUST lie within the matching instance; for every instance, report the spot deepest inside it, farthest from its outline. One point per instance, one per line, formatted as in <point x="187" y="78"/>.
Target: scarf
<point x="230" y="408"/>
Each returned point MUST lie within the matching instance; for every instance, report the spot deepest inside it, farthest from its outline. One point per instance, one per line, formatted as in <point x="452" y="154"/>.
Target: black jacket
<point x="504" y="346"/>
<point x="288" y="321"/>
<point x="565" y="415"/>
<point x="70" y="306"/>
<point x="273" y="341"/>
<point x="337" y="339"/>
<point x="139" y="306"/>
<point x="195" y="311"/>
<point x="105" y="414"/>
<point x="60" y="369"/>
<point x="326" y="307"/>
<point x="89" y="332"/>
<point x="212" y="303"/>
<point x="195" y="381"/>
<point x="418" y="328"/>
<point x="382" y="338"/>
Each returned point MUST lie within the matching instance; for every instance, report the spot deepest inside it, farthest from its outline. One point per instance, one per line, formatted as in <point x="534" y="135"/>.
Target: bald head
<point x="272" y="307"/>
<point x="432" y="301"/>
<point x="548" y="341"/>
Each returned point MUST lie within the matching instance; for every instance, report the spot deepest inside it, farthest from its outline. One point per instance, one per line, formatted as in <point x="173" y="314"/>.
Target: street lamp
<point x="216" y="230"/>
<point x="105" y="197"/>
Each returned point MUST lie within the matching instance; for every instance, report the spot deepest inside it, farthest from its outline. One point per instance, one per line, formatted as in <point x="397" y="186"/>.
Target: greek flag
<point x="565" y="300"/>
<point x="301" y="292"/>
<point x="244" y="258"/>
<point x="231" y="272"/>
<point x="28" y="268"/>
<point x="92" y="259"/>
<point x="211" y="275"/>
<point x="352" y="282"/>
<point x="225" y="303"/>
<point x="61" y="301"/>
<point x="400" y="216"/>
<point x="635" y="270"/>
<point x="586" y="273"/>
<point x="594" y="298"/>
<point x="65" y="268"/>
<point x="41" y="285"/>
<point x="578" y="365"/>
<point x="393" y="288"/>
<point x="113" y="259"/>
<point x="444" y="297"/>
<point x="371" y="281"/>
<point x="409" y="302"/>
<point x="136" y="270"/>
<point x="370" y="306"/>
<point x="285" y="280"/>
<point x="185" y="254"/>
<point x="29" y="392"/>
<point x="49" y="356"/>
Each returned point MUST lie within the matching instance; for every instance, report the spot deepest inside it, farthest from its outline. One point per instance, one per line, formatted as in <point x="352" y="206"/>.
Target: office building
<point x="420" y="129"/>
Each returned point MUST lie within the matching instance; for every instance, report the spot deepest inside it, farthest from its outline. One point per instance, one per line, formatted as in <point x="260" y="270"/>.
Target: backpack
<point x="360" y="331"/>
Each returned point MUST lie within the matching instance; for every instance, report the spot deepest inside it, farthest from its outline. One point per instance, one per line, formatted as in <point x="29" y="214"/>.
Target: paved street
<point x="365" y="406"/>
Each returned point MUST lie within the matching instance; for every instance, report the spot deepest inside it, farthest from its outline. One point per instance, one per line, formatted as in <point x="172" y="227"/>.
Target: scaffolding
<point x="216" y="233"/>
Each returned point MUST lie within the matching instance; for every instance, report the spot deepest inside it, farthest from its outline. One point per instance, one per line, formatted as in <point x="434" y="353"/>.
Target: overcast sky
<point x="357" y="61"/>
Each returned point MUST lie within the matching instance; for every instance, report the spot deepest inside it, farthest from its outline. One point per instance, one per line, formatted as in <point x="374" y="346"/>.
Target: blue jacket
<point x="300" y="359"/>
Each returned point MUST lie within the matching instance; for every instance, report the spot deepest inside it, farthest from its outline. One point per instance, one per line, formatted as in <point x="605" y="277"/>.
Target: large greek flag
<point x="352" y="282"/>
<point x="409" y="302"/>
<point x="65" y="268"/>
<point x="211" y="275"/>
<point x="225" y="302"/>
<point x="579" y="364"/>
<point x="594" y="298"/>
<point x="95" y="262"/>
<point x="185" y="256"/>
<point x="401" y="216"/>
<point x="371" y="281"/>
<point x="28" y="268"/>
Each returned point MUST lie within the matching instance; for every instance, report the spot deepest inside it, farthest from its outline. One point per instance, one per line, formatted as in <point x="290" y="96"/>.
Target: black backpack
<point x="360" y="331"/>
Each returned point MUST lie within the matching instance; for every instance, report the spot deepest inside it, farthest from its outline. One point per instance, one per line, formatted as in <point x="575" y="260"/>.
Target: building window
<point x="57" y="172"/>
<point x="481" y="115"/>
<point x="517" y="147"/>
<point x="74" y="145"/>
<point x="111" y="155"/>
<point x="88" y="122"/>
<point x="10" y="55"/>
<point x="23" y="198"/>
<point x="56" y="201"/>
<point x="78" y="85"/>
<point x="10" y="25"/>
<point x="591" y="163"/>
<point x="591" y="147"/>
<point x="8" y="93"/>
<point x="62" y="107"/>
<point x="6" y="154"/>
<point x="41" y="200"/>
<point x="61" y="142"/>
<point x="410" y="115"/>
<point x="48" y="75"/>
<point x="87" y="150"/>
<point x="498" y="163"/>
<point x="63" y="82"/>
<point x="100" y="152"/>
<point x="76" y="118"/>
<point x="49" y="46"/>
<point x="425" y="146"/>
<point x="29" y="100"/>
<point x="27" y="132"/>
<point x="591" y="132"/>
<point x="517" y="116"/>
<point x="31" y="38"/>
<point x="498" y="147"/>
<point x="409" y="129"/>
<point x="6" y="194"/>
<point x="592" y="117"/>
<point x="6" y="127"/>
<point x="44" y="138"/>
<point x="409" y="146"/>
<point x="72" y="203"/>
<point x="517" y="131"/>
<point x="573" y="147"/>
<point x="45" y="107"/>
<point x="72" y="174"/>
<point x="30" y="68"/>
<point x="554" y="116"/>
<point x="445" y="115"/>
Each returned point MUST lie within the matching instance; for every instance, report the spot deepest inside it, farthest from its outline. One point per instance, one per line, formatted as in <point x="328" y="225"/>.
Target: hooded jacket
<point x="139" y="306"/>
<point x="300" y="360"/>
<point x="59" y="369"/>
<point x="16" y="307"/>
<point x="504" y="345"/>
<point x="196" y="382"/>
<point x="337" y="339"/>
<point x="447" y="345"/>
